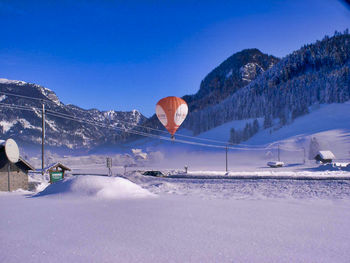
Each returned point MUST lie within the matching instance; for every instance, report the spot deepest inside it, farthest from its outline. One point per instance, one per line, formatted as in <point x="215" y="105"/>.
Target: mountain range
<point x="60" y="131"/>
<point x="247" y="85"/>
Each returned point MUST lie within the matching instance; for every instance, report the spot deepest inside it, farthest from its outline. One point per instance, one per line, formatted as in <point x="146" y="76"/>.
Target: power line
<point x="25" y="97"/>
<point x="75" y="119"/>
<point x="165" y="132"/>
<point x="142" y="133"/>
<point x="186" y="136"/>
<point x="17" y="107"/>
<point x="145" y="127"/>
<point x="132" y="124"/>
<point x="108" y="126"/>
<point x="148" y="134"/>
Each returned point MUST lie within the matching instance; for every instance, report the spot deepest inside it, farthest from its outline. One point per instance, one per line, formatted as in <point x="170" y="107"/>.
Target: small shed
<point x="325" y="157"/>
<point x="56" y="171"/>
<point x="275" y="164"/>
<point x="13" y="176"/>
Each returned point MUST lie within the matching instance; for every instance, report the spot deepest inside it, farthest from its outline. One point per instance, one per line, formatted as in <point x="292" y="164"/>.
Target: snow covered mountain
<point x="25" y="125"/>
<point x="315" y="74"/>
<point x="233" y="74"/>
<point x="230" y="76"/>
<point x="272" y="98"/>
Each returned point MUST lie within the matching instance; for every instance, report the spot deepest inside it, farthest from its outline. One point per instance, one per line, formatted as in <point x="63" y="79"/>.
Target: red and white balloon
<point x="171" y="112"/>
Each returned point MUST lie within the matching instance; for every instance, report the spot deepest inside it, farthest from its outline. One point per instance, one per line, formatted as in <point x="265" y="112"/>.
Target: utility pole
<point x="8" y="176"/>
<point x="109" y="165"/>
<point x="278" y="152"/>
<point x="304" y="155"/>
<point x="42" y="137"/>
<point x="226" y="159"/>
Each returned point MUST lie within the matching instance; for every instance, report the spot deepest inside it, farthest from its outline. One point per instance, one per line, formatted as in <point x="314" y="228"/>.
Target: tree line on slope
<point x="317" y="73"/>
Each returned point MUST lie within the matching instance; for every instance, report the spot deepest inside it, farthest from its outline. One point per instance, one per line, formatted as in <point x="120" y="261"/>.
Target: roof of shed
<point x="326" y="155"/>
<point x="25" y="163"/>
<point x="57" y="164"/>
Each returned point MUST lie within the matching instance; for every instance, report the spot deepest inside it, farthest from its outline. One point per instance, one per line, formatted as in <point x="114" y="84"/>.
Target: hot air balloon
<point x="171" y="112"/>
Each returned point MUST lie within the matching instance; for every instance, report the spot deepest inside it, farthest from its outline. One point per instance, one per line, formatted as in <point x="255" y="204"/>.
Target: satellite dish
<point x="12" y="151"/>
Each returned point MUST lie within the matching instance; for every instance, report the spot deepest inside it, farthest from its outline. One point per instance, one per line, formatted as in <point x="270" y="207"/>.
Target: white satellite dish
<point x="12" y="151"/>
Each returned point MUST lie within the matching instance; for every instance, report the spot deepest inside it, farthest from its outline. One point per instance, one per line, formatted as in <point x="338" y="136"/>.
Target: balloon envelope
<point x="171" y="112"/>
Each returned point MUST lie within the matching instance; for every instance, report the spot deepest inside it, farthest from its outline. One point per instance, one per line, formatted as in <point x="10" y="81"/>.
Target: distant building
<point x="139" y="155"/>
<point x="16" y="177"/>
<point x="324" y="157"/>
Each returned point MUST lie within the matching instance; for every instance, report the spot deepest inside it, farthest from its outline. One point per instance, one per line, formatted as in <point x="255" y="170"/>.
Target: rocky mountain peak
<point x="25" y="125"/>
<point x="230" y="76"/>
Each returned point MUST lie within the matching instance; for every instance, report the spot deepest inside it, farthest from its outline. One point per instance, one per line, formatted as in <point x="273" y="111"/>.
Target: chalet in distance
<point x="325" y="157"/>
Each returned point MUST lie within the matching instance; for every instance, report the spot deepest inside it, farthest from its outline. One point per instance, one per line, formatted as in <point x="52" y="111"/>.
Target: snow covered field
<point x="100" y="219"/>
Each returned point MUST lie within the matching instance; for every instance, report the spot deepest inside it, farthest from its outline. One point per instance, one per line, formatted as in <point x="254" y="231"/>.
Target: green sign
<point x="56" y="176"/>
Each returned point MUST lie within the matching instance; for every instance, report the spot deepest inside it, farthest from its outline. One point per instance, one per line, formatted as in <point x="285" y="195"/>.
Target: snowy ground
<point x="100" y="219"/>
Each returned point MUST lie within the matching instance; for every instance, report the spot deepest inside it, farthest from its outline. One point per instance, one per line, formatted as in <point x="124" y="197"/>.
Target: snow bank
<point x="96" y="186"/>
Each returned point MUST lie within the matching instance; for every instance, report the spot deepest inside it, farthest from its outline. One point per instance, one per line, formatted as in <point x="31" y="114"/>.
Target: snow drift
<point x="97" y="187"/>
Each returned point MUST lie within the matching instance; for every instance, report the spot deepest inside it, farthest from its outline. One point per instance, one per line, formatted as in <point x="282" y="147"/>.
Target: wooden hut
<point x="13" y="176"/>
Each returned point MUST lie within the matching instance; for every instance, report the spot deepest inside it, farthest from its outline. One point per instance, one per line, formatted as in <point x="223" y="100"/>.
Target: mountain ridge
<point x="60" y="132"/>
<point x="234" y="73"/>
<point x="316" y="73"/>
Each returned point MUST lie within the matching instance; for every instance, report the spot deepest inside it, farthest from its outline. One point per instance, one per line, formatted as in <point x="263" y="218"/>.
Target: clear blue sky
<point x="126" y="55"/>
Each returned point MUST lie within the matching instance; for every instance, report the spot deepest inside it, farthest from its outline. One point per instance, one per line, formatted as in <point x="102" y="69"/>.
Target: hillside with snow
<point x="329" y="123"/>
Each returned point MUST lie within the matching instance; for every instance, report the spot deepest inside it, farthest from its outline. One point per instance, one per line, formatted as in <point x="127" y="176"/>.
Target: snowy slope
<point x="328" y="117"/>
<point x="329" y="123"/>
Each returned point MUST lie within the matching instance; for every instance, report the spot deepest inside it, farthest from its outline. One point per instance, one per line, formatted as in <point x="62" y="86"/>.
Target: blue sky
<point x="126" y="55"/>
